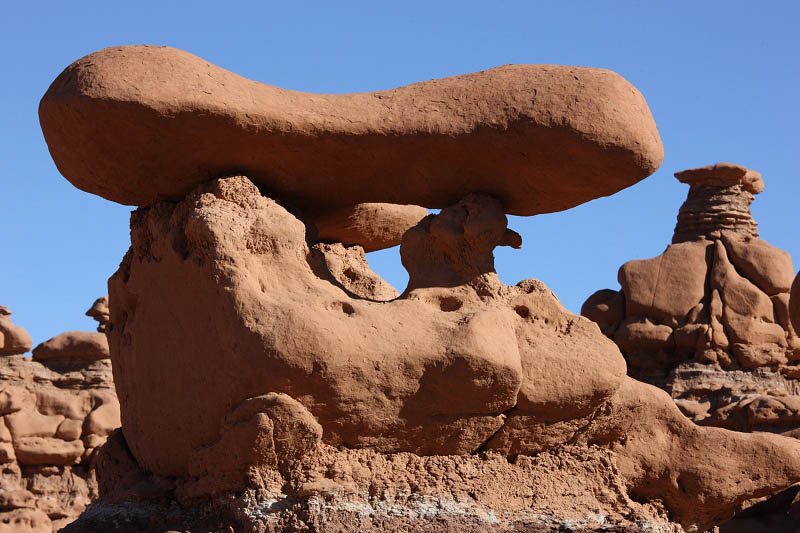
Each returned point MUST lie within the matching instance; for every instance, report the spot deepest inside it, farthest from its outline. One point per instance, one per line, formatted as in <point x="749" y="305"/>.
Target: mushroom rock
<point x="371" y="226"/>
<point x="14" y="340"/>
<point x="99" y="311"/>
<point x="293" y="385"/>
<point x="733" y="357"/>
<point x="140" y="124"/>
<point x="54" y="415"/>
<point x="719" y="200"/>
<point x="348" y="267"/>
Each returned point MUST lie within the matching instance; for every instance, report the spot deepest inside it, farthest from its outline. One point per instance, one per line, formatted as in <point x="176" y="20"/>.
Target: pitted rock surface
<point x="459" y="363"/>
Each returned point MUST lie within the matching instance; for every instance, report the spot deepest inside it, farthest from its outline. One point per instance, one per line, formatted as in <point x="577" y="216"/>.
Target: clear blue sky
<point x="721" y="78"/>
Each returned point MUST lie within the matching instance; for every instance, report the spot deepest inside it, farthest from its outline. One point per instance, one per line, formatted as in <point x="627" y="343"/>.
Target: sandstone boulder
<point x="371" y="226"/>
<point x="348" y="267"/>
<point x="606" y="307"/>
<point x="541" y="138"/>
<point x="73" y="345"/>
<point x="736" y="351"/>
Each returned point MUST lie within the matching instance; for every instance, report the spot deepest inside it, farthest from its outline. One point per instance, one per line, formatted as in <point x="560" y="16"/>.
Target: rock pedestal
<point x="269" y="381"/>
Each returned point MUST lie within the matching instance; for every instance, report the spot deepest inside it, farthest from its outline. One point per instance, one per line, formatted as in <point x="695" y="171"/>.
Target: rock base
<point x="569" y="488"/>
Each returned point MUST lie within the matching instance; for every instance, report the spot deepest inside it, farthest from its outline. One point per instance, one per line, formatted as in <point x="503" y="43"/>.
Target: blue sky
<point x="721" y="79"/>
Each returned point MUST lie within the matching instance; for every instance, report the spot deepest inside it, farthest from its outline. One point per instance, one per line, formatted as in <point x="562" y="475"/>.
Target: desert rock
<point x="517" y="373"/>
<point x="371" y="226"/>
<point x="99" y="311"/>
<point x="49" y="409"/>
<point x="347" y="266"/>
<point x="14" y="340"/>
<point x="541" y="138"/>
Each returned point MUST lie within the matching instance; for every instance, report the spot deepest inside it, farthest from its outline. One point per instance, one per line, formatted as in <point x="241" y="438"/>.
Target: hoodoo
<point x="269" y="381"/>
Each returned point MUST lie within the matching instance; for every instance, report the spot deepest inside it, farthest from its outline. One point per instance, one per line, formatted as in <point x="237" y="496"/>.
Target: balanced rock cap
<point x="140" y="124"/>
<point x="719" y="200"/>
<point x="723" y="175"/>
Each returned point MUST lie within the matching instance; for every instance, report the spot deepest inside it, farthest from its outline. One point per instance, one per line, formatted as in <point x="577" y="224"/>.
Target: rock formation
<point x="99" y="311"/>
<point x="266" y="381"/>
<point x="708" y="320"/>
<point x="55" y="412"/>
<point x="13" y="339"/>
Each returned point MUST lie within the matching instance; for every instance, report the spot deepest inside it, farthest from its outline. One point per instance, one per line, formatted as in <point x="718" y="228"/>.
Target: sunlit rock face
<point x="261" y="365"/>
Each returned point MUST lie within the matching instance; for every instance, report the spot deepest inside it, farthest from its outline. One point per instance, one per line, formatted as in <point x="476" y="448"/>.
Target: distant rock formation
<point x="99" y="311"/>
<point x="55" y="411"/>
<point x="709" y="319"/>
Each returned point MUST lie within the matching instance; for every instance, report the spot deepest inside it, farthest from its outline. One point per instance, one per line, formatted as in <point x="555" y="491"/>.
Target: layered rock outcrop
<point x="286" y="387"/>
<point x="55" y="411"/>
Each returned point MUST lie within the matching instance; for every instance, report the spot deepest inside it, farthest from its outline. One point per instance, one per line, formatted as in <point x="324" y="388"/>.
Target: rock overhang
<point x="139" y="124"/>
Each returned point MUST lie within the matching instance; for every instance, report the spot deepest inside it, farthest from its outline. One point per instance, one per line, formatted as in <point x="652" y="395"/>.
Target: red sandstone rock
<point x="606" y="307"/>
<point x="348" y="267"/>
<point x="43" y="408"/>
<point x="541" y="138"/>
<point x="99" y="311"/>
<point x="734" y="364"/>
<point x="666" y="287"/>
<point x="768" y="267"/>
<point x="722" y="175"/>
<point x="14" y="340"/>
<point x="459" y="363"/>
<point x="73" y="345"/>
<point x="371" y="226"/>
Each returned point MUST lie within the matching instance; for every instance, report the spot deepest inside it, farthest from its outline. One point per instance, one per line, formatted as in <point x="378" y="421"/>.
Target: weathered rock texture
<point x="708" y="320"/>
<point x="362" y="490"/>
<point x="139" y="124"/>
<point x="54" y="414"/>
<point x="371" y="226"/>
<point x="248" y="386"/>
